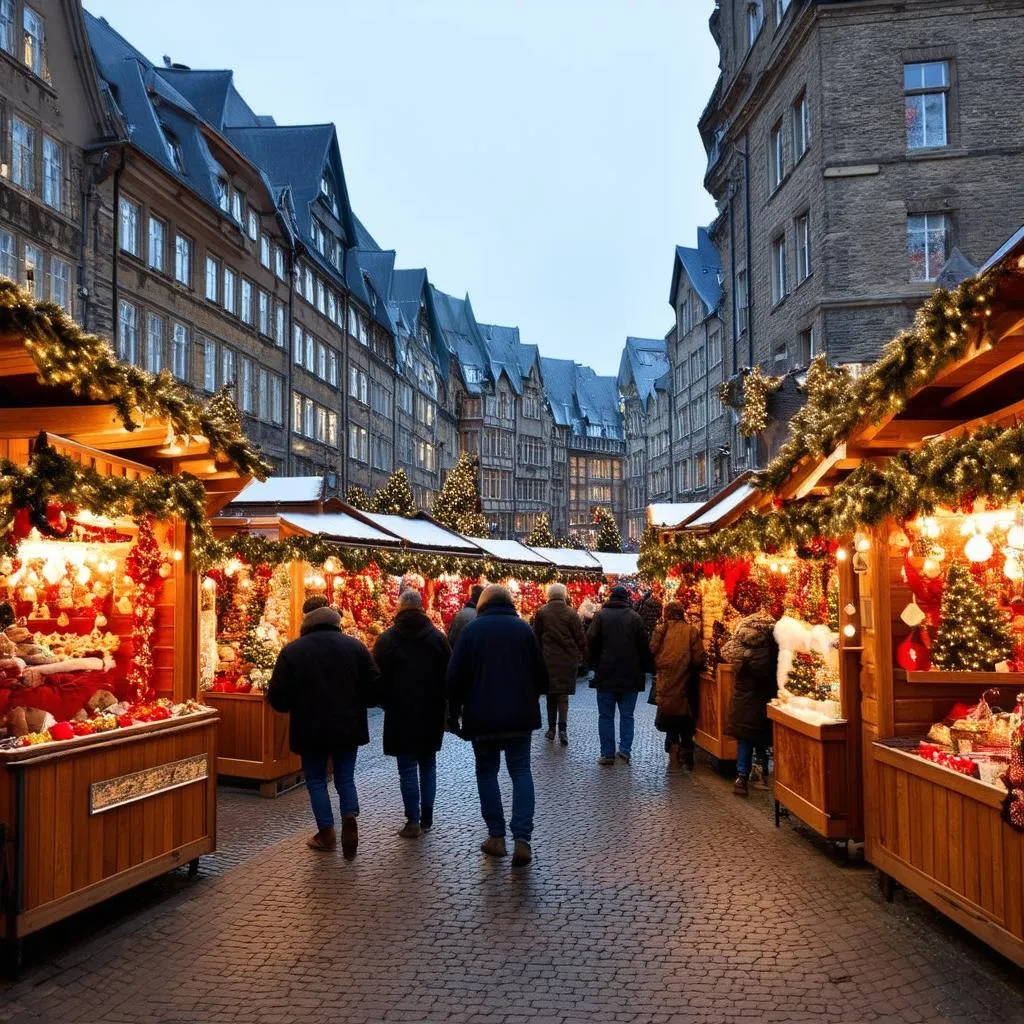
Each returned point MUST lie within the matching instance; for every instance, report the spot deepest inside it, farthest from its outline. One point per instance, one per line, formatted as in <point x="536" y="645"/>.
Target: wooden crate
<point x="713" y="717"/>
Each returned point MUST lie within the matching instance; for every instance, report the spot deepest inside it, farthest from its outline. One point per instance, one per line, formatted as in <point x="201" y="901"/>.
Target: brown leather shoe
<point x="494" y="846"/>
<point x="522" y="854"/>
<point x="324" y="841"/>
<point x="739" y="787"/>
<point x="349" y="837"/>
<point x="411" y="831"/>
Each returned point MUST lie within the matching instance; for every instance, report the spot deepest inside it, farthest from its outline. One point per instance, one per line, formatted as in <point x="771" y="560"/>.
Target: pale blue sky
<point x="540" y="154"/>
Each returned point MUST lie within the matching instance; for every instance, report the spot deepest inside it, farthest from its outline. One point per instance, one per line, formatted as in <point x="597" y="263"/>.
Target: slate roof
<point x="507" y="354"/>
<point x="369" y="274"/>
<point x="462" y="337"/>
<point x="645" y="362"/>
<point x="598" y="400"/>
<point x="703" y="266"/>
<point x="559" y="376"/>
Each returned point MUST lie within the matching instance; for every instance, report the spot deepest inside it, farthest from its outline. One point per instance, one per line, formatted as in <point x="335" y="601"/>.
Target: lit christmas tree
<point x="541" y="535"/>
<point x="570" y="540"/>
<point x="358" y="498"/>
<point x="973" y="634"/>
<point x="395" y="497"/>
<point x="608" y="537"/>
<point x="458" y="504"/>
<point x="805" y="677"/>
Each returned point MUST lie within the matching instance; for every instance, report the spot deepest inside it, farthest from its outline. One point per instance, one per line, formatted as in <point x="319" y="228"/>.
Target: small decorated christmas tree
<point x="358" y="498"/>
<point x="973" y="634"/>
<point x="541" y="535"/>
<point x="458" y="504"/>
<point x="570" y="540"/>
<point x="395" y="498"/>
<point x="802" y="680"/>
<point x="608" y="537"/>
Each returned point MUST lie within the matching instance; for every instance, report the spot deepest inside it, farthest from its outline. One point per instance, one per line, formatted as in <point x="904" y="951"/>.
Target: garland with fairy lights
<point x="752" y="402"/>
<point x="944" y="472"/>
<point x="66" y="356"/>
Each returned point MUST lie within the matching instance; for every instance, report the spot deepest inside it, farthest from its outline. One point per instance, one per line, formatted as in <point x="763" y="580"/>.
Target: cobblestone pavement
<point x="655" y="896"/>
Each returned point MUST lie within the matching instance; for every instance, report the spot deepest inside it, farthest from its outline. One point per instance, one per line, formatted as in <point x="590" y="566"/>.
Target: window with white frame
<point x="321" y="296"/>
<point x="33" y="277"/>
<point x="279" y="269"/>
<point x="781" y="6"/>
<point x="8" y="256"/>
<point x="245" y="385"/>
<point x="714" y="348"/>
<point x="227" y="366"/>
<point x="802" y="226"/>
<point x="780" y="354"/>
<point x="332" y="307"/>
<point x="209" y="364"/>
<point x="223" y="195"/>
<point x="926" y="87"/>
<point x="263" y="312"/>
<point x="776" y="156"/>
<point x="7" y="25"/>
<point x="358" y="440"/>
<point x="801" y="126"/>
<point x="246" y="312"/>
<point x="157" y="242"/>
<point x="296" y="412"/>
<point x="212" y="278"/>
<point x="179" y="351"/>
<point x="699" y="412"/>
<point x="60" y="283"/>
<point x="928" y="245"/>
<point x="298" y="347"/>
<point x="265" y="251"/>
<point x="700" y="470"/>
<point x="253" y="224"/>
<point x="332" y="368"/>
<point x="277" y="401"/>
<point x="280" y="323"/>
<point x="380" y="398"/>
<point x="183" y="260"/>
<point x="321" y="360"/>
<point x="309" y="418"/>
<point x="317" y="232"/>
<point x="237" y="202"/>
<point x="307" y="291"/>
<point x="741" y="304"/>
<point x="310" y="355"/>
<point x="53" y="173"/>
<point x="154" y="343"/>
<point x="128" y="333"/>
<point x="230" y="280"/>
<point x="35" y="42"/>
<point x="778" y="269"/>
<point x="332" y="428"/>
<point x="808" y="343"/>
<point x="129" y="233"/>
<point x="755" y="19"/>
<point x="381" y="457"/>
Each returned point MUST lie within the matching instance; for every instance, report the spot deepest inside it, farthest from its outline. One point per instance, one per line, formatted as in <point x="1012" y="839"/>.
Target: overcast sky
<point x="541" y="155"/>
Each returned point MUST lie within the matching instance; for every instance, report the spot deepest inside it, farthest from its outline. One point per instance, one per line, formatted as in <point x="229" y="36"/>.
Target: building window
<point x="7" y="25"/>
<point x="801" y="126"/>
<point x="246" y="301"/>
<point x="742" y="304"/>
<point x="183" y="260"/>
<point x="781" y="6"/>
<point x="210" y="365"/>
<point x="227" y="365"/>
<point x="928" y="245"/>
<point x="780" y="354"/>
<point x="321" y="296"/>
<point x="358" y="441"/>
<point x="154" y="343"/>
<point x="157" y="240"/>
<point x="715" y="349"/>
<point x="381" y="454"/>
<point x="277" y="404"/>
<point x="129" y="237"/>
<point x="264" y="313"/>
<point x="23" y="154"/>
<point x="308" y="289"/>
<point x="298" y="349"/>
<point x="296" y="412"/>
<point x="265" y="251"/>
<point x="179" y="352"/>
<point x="53" y="173"/>
<point x="245" y="387"/>
<point x="332" y="368"/>
<point x="926" y="87"/>
<point x="755" y="19"/>
<point x="253" y="224"/>
<point x="212" y="278"/>
<point x="808" y="346"/>
<point x="700" y="471"/>
<point x="237" y="200"/>
<point x="279" y="324"/>
<point x="332" y="428"/>
<point x="380" y="399"/>
<point x="128" y="333"/>
<point x="310" y="360"/>
<point x="35" y="42"/>
<point x="317" y="232"/>
<point x="778" y="269"/>
<point x="321" y="360"/>
<point x="803" y="247"/>
<point x="8" y="256"/>
<point x="34" y="271"/>
<point x="60" y="283"/>
<point x="229" y="290"/>
<point x="309" y="418"/>
<point x="776" y="157"/>
<point x="279" y="262"/>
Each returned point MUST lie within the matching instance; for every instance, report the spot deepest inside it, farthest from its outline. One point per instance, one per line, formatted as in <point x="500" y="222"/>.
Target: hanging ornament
<point x="912" y="654"/>
<point x="165" y="570"/>
<point x="859" y="563"/>
<point x="62" y="620"/>
<point x="913" y="615"/>
<point x="124" y="605"/>
<point x="101" y="621"/>
<point x="6" y="566"/>
<point x="1013" y="569"/>
<point x="978" y="548"/>
<point x="1014" y="536"/>
<point x="932" y="568"/>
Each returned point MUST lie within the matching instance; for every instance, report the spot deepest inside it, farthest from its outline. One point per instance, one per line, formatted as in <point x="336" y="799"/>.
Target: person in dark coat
<point x="649" y="609"/>
<point x="325" y="681"/>
<point x="753" y="652"/>
<point x="413" y="660"/>
<point x="564" y="647"/>
<point x="494" y="679"/>
<point x="678" y="651"/>
<point x="464" y="616"/>
<point x="620" y="657"/>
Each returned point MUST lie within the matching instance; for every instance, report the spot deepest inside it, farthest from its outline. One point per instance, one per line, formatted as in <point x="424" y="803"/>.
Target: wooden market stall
<point x="107" y="763"/>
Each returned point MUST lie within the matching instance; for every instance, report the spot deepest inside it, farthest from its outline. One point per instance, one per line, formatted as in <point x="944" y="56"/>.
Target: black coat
<point x="496" y="675"/>
<point x="754" y="654"/>
<point x="413" y="658"/>
<point x="563" y="644"/>
<point x="325" y="681"/>
<point x="618" y="649"/>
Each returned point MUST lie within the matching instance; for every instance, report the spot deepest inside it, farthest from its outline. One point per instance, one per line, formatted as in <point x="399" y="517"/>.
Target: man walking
<point x="564" y="647"/>
<point x="620" y="657"/>
<point x="494" y="679"/>
<point x="413" y="658"/>
<point x="325" y="681"/>
<point x="464" y="616"/>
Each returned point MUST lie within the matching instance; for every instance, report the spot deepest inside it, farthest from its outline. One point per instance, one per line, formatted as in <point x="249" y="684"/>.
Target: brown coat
<point x="563" y="644"/>
<point x="678" y="654"/>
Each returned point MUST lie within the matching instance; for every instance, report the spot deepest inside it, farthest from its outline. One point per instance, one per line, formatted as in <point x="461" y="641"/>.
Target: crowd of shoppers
<point x="483" y="683"/>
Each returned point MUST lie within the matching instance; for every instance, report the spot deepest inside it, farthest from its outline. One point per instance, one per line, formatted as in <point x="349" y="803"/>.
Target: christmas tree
<point x="608" y="537"/>
<point x="395" y="497"/>
<point x="458" y="504"/>
<point x="571" y="541"/>
<point x="973" y="634"/>
<point x="541" y="535"/>
<point x="358" y="498"/>
<point x="804" y="677"/>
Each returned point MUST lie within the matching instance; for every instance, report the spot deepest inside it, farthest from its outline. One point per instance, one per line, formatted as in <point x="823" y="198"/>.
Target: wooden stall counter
<point x="941" y="835"/>
<point x="713" y="713"/>
<point x="87" y="818"/>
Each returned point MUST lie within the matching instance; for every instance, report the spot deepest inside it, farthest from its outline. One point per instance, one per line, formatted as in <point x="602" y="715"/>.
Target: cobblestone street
<point x="654" y="896"/>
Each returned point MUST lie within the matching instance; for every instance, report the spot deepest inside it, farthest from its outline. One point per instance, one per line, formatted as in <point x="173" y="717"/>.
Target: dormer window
<point x="318" y="236"/>
<point x="223" y="199"/>
<point x="329" y="193"/>
<point x="173" y="149"/>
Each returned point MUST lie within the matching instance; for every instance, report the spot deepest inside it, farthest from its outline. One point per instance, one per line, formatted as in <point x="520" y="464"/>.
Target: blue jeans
<point x="314" y="767"/>
<point x="745" y="757"/>
<point x="417" y="777"/>
<point x="517" y="762"/>
<point x="606" y="705"/>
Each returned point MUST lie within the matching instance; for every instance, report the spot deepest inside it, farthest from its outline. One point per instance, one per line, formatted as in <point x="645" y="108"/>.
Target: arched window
<point x="329" y="192"/>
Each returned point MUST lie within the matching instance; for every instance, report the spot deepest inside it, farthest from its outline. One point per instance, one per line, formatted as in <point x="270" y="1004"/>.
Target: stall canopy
<point x="570" y="558"/>
<point x="341" y="526"/>
<point x="279" y="494"/>
<point x="615" y="564"/>
<point x="421" y="532"/>
<point x="725" y="507"/>
<point x="662" y="515"/>
<point x="510" y="551"/>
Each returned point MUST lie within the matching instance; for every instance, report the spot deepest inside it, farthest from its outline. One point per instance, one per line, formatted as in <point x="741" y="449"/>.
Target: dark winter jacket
<point x="325" y="681"/>
<point x="754" y="654"/>
<point x="649" y="610"/>
<point x="563" y="644"/>
<point x="463" y="617"/>
<point x="413" y="660"/>
<point x="678" y="656"/>
<point x="495" y="676"/>
<point x="618" y="649"/>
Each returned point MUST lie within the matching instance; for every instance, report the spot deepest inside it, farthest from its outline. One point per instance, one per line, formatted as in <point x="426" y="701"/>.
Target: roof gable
<point x="645" y="363"/>
<point x="702" y="267"/>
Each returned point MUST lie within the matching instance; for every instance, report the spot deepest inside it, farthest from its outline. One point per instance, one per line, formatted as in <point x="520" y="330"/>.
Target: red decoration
<point x="22" y="525"/>
<point x="143" y="567"/>
<point x="912" y="653"/>
<point x="928" y="592"/>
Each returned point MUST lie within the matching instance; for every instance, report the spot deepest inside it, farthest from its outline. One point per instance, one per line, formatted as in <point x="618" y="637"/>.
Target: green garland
<point x="66" y="356"/>
<point x="942" y="331"/>
<point x="752" y="404"/>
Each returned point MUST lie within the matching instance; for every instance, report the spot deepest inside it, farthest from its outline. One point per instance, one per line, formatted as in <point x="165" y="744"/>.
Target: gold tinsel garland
<point x="753" y="405"/>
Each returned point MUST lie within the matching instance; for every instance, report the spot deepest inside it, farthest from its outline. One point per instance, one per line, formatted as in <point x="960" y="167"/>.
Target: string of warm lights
<point x="752" y="401"/>
<point x="458" y="503"/>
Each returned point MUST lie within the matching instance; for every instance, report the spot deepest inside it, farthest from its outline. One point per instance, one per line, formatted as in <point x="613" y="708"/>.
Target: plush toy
<point x="100" y="701"/>
<point x="22" y="721"/>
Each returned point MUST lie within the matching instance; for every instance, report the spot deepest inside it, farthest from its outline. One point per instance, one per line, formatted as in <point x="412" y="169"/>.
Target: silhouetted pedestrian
<point x="678" y="656"/>
<point x="564" y="647"/>
<point x="464" y="616"/>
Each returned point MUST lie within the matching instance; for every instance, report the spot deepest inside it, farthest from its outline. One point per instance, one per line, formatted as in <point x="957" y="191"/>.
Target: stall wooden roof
<point x="510" y="551"/>
<point x="570" y="558"/>
<point x="340" y="526"/>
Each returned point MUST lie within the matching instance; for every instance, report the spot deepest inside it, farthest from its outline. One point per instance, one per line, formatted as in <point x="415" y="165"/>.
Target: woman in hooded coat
<point x="678" y="657"/>
<point x="754" y="654"/>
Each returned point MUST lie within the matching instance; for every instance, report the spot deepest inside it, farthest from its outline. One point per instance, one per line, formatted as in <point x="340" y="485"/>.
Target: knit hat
<point x="619" y="593"/>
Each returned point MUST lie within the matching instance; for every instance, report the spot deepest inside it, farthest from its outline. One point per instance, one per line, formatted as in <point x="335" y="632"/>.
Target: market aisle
<point x="653" y="897"/>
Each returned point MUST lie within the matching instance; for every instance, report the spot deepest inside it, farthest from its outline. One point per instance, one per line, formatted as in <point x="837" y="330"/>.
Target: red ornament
<point x="22" y="524"/>
<point x="62" y="731"/>
<point x="912" y="654"/>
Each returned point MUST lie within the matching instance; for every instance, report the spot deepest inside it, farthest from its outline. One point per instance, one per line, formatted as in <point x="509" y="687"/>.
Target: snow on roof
<point x="569" y="558"/>
<point x="717" y="509"/>
<point x="339" y="526"/>
<point x="509" y="550"/>
<point x="613" y="564"/>
<point x="280" y="490"/>
<point x="422" y="533"/>
<point x="670" y="513"/>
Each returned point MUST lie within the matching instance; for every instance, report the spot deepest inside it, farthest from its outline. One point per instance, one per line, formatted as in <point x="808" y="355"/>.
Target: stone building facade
<point x="854" y="148"/>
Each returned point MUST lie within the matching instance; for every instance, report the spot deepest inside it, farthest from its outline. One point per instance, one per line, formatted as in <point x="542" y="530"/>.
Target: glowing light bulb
<point x="209" y="584"/>
<point x="232" y="567"/>
<point x="1015" y="537"/>
<point x="332" y="566"/>
<point x="83" y="575"/>
<point x="849" y="630"/>
<point x="842" y="554"/>
<point x="178" y="555"/>
<point x="930" y="527"/>
<point x="978" y="548"/>
<point x="863" y="544"/>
